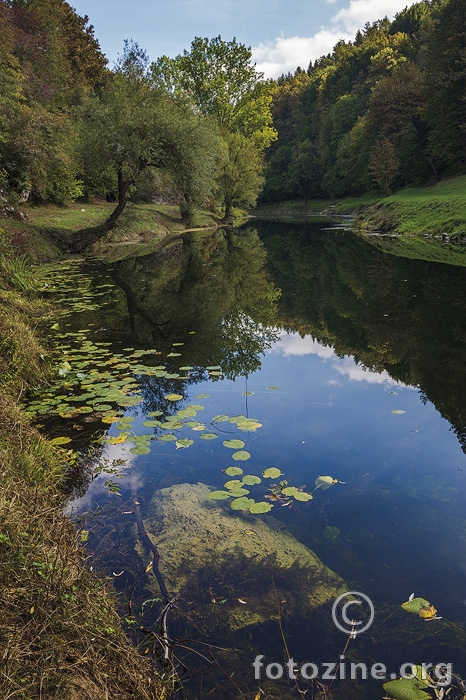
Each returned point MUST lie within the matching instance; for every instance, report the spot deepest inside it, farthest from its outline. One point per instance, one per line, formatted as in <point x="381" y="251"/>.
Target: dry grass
<point x="60" y="635"/>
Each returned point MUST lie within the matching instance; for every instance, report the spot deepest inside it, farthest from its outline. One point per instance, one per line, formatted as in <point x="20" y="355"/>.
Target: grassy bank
<point x="60" y="636"/>
<point x="433" y="210"/>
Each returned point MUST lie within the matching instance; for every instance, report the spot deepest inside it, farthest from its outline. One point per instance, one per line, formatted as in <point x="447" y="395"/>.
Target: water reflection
<point x="355" y="335"/>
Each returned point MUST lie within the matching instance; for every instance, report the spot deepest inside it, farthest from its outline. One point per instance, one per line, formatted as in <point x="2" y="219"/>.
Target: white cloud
<point x="291" y="344"/>
<point x="359" y="12"/>
<point x="285" y="54"/>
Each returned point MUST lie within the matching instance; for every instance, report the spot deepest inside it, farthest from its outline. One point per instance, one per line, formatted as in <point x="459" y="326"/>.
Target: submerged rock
<point x="237" y="567"/>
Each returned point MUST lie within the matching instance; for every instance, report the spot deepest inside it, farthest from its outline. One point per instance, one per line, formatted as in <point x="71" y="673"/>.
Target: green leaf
<point x="154" y="414"/>
<point x="302" y="496"/>
<point x="406" y="689"/>
<point x="261" y="507"/>
<point x="240" y="456"/>
<point x="167" y="438"/>
<point x="140" y="450"/>
<point x="242" y="503"/>
<point x="174" y="354"/>
<point x="271" y="473"/>
<point x="324" y="482"/>
<point x="233" y="471"/>
<point x="232" y="484"/>
<point x="202" y="396"/>
<point x="173" y="397"/>
<point x="234" y="444"/>
<point x="219" y="495"/>
<point x="238" y="491"/>
<point x="290" y="491"/>
<point x="250" y="479"/>
<point x="247" y="393"/>
<point x="60" y="440"/>
<point x="208" y="436"/>
<point x="151" y="423"/>
<point x="184" y="443"/>
<point x="274" y="388"/>
<point x="221" y="418"/>
<point x="414" y="605"/>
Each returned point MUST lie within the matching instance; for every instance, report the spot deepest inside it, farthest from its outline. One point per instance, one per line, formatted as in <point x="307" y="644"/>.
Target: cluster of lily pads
<point x="282" y="493"/>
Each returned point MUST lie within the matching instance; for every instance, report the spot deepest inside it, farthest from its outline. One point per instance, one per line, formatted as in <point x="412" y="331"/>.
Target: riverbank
<point x="428" y="211"/>
<point x="60" y="635"/>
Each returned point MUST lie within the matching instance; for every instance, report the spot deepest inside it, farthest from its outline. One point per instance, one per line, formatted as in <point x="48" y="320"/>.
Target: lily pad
<point x="234" y="444"/>
<point x="118" y="439"/>
<point x="398" y="411"/>
<point x="324" y="482"/>
<point x="241" y="456"/>
<point x="233" y="471"/>
<point x="62" y="440"/>
<point x="185" y="442"/>
<point x="167" y="438"/>
<point x="261" y="507"/>
<point x="247" y="393"/>
<point x="209" y="436"/>
<point x="173" y="397"/>
<point x="154" y="414"/>
<point x="274" y="388"/>
<point x="232" y="484"/>
<point x="415" y="604"/>
<point x="251" y="479"/>
<point x="302" y="496"/>
<point x="219" y="495"/>
<point x="221" y="418"/>
<point x="271" y="473"/>
<point x="151" y="423"/>
<point x="140" y="450"/>
<point x="202" y="396"/>
<point x="242" y="503"/>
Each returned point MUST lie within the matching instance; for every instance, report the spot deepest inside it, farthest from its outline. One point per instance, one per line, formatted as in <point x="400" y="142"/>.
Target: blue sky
<point x="282" y="34"/>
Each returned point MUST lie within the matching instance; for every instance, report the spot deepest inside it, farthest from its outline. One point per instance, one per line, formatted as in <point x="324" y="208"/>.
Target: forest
<point x="205" y="129"/>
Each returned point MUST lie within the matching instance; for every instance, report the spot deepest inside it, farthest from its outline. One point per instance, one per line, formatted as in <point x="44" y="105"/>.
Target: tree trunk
<point x="123" y="186"/>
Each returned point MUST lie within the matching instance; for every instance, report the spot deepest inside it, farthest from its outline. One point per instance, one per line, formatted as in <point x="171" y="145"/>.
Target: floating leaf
<point x="60" y="440"/>
<point x="151" y="423"/>
<point x="221" y="418"/>
<point x="398" y="411"/>
<point x="261" y="507"/>
<point x="232" y="484"/>
<point x="214" y="367"/>
<point x="140" y="450"/>
<point x="240" y="456"/>
<point x="274" y="388"/>
<point x="290" y="491"/>
<point x="415" y="604"/>
<point x="167" y="438"/>
<point x="249" y="425"/>
<point x="242" y="503"/>
<point x="209" y="436"/>
<point x="302" y="496"/>
<point x="202" y="396"/>
<point x="118" y="439"/>
<point x="186" y="413"/>
<point x="199" y="427"/>
<point x="177" y="344"/>
<point x="215" y="373"/>
<point x="238" y="491"/>
<point x="154" y="414"/>
<point x="234" y="444"/>
<point x="271" y="473"/>
<point x="407" y="689"/>
<point x="247" y="393"/>
<point x="184" y="443"/>
<point x="233" y="471"/>
<point x="250" y="479"/>
<point x="219" y="495"/>
<point x="174" y="354"/>
<point x="173" y="397"/>
<point x="324" y="482"/>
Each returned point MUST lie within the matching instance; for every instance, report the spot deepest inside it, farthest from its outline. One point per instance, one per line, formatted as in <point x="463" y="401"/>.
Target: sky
<point x="282" y="34"/>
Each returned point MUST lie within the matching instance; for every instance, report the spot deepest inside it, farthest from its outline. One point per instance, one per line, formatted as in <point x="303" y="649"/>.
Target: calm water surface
<point x="345" y="335"/>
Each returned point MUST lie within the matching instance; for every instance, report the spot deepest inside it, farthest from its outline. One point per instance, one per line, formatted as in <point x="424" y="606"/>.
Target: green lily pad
<point x="261" y="507"/>
<point x="62" y="440"/>
<point x="302" y="496"/>
<point x="241" y="456"/>
<point x="151" y="423"/>
<point x="233" y="471"/>
<point x="414" y="605"/>
<point x="242" y="503"/>
<point x="140" y="450"/>
<point x="238" y="491"/>
<point x="247" y="393"/>
<point x="274" y="388"/>
<point x="174" y="354"/>
<point x="271" y="473"/>
<point x="324" y="482"/>
<point x="167" y="438"/>
<point x="232" y="484"/>
<point x="208" y="436"/>
<point x="219" y="495"/>
<point x="173" y="397"/>
<point x="251" y="479"/>
<point x="234" y="444"/>
<point x="407" y="689"/>
<point x="221" y="418"/>
<point x="154" y="414"/>
<point x="185" y="442"/>
<point x="202" y="396"/>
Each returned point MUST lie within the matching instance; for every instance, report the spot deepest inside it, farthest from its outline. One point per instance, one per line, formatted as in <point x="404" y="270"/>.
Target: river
<point x="334" y="359"/>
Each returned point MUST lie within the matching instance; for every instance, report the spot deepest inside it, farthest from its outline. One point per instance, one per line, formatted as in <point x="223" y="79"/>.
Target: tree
<point x="219" y="80"/>
<point x="383" y="163"/>
<point x="131" y="127"/>
<point x="445" y="84"/>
